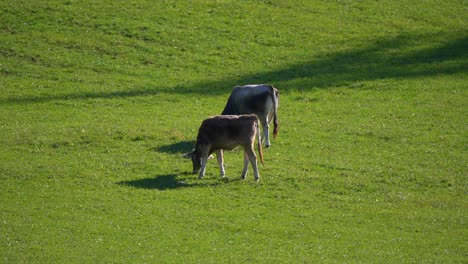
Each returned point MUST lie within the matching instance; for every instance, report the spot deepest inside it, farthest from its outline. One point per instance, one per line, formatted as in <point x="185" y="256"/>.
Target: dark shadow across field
<point x="401" y="56"/>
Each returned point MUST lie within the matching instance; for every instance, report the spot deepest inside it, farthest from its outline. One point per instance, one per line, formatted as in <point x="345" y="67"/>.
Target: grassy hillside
<point x="99" y="100"/>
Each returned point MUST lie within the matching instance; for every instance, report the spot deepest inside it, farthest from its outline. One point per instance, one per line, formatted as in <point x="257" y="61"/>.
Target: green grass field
<point x="99" y="100"/>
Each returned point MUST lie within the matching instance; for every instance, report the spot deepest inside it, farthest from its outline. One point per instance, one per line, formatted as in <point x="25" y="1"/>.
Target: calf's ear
<point x="210" y="157"/>
<point x="188" y="155"/>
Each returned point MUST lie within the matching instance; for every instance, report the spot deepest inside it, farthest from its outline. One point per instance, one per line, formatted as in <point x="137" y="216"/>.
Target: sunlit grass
<point x="98" y="103"/>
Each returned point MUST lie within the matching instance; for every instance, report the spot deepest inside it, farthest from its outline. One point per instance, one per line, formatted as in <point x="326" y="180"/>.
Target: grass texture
<point x="99" y="99"/>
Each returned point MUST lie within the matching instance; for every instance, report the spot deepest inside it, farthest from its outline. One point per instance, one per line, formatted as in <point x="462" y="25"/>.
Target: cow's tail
<point x="275" y="99"/>
<point x="259" y="142"/>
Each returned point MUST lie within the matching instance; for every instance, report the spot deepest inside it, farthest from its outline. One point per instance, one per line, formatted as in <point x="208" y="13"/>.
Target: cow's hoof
<point x="267" y="146"/>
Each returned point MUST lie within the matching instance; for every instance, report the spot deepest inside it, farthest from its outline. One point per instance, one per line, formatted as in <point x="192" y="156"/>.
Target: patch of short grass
<point x="98" y="103"/>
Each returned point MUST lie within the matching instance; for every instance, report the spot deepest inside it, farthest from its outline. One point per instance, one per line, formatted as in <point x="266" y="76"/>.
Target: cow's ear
<point x="188" y="155"/>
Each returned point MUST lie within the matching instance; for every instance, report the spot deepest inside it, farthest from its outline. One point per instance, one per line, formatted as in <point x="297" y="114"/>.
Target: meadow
<point x="100" y="99"/>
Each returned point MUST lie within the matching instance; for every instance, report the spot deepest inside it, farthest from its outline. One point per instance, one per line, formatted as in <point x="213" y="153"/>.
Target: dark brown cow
<point x="226" y="132"/>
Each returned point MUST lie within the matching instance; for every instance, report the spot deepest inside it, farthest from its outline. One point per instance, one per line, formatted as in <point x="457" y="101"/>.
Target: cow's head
<point x="196" y="161"/>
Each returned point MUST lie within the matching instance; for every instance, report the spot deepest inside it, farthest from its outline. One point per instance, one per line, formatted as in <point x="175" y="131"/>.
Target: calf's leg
<point x="220" y="157"/>
<point x="253" y="160"/>
<point x="246" y="165"/>
<point x="203" y="168"/>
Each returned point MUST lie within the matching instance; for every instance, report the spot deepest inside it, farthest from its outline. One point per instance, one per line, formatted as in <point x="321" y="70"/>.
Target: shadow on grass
<point x="162" y="182"/>
<point x="401" y="56"/>
<point x="176" y="148"/>
<point x="167" y="182"/>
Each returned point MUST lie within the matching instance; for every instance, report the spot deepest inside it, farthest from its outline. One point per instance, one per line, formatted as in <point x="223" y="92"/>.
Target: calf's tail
<point x="259" y="142"/>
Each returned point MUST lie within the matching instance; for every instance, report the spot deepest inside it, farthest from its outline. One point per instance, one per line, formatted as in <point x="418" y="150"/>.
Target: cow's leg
<point x="246" y="165"/>
<point x="203" y="167"/>
<point x="253" y="160"/>
<point x="265" y="128"/>
<point x="219" y="154"/>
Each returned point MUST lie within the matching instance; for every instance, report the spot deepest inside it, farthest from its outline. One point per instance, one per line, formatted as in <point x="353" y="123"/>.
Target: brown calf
<point x="226" y="132"/>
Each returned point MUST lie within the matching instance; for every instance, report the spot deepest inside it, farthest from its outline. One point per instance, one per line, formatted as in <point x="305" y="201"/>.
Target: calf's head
<point x="196" y="160"/>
